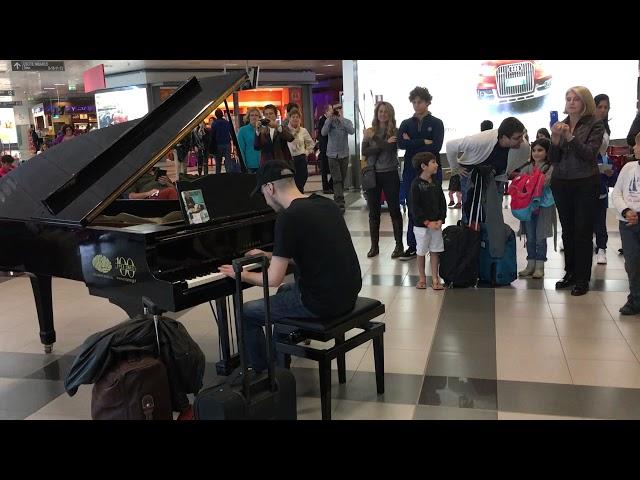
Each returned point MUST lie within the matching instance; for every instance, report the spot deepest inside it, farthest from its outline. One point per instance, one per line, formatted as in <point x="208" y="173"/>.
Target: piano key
<point x="215" y="276"/>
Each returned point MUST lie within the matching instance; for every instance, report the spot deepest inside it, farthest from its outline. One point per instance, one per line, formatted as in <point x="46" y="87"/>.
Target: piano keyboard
<point x="215" y="276"/>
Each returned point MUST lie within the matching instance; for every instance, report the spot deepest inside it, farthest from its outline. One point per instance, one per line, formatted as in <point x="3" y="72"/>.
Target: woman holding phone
<point x="575" y="182"/>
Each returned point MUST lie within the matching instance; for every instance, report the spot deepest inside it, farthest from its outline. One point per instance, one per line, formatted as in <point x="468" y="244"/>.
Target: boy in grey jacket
<point x="338" y="128"/>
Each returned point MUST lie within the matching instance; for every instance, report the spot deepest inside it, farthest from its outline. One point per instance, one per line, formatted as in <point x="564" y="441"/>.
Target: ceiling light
<point x="231" y="64"/>
<point x="48" y="88"/>
<point x="329" y="65"/>
<point x="318" y="74"/>
<point x="60" y="84"/>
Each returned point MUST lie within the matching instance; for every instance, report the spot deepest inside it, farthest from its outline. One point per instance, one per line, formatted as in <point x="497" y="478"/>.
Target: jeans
<point x="338" y="167"/>
<point x="600" y="223"/>
<point x="576" y="201"/>
<point x="327" y="183"/>
<point x="301" y="171"/>
<point x="464" y="187"/>
<point x="286" y="303"/>
<point x="223" y="151"/>
<point x="536" y="250"/>
<point x="203" y="162"/>
<point x="630" y="237"/>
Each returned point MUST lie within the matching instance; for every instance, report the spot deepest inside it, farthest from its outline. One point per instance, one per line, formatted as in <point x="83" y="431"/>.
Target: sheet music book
<point x="194" y="206"/>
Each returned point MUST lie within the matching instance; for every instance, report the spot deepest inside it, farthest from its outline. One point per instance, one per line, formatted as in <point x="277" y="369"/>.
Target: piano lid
<point x="73" y="182"/>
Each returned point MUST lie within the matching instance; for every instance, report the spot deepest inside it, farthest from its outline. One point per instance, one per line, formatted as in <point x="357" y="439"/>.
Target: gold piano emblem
<point x="101" y="264"/>
<point x="126" y="267"/>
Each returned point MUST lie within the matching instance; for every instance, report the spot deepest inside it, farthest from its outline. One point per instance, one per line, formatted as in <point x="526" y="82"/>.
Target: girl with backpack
<point x="543" y="223"/>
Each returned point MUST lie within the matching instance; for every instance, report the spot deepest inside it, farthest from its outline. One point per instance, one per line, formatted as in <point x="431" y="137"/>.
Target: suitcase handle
<point x="238" y="264"/>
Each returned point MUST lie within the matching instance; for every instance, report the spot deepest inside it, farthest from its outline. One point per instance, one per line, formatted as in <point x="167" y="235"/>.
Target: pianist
<point x="311" y="232"/>
<point x="7" y="165"/>
<point x="150" y="185"/>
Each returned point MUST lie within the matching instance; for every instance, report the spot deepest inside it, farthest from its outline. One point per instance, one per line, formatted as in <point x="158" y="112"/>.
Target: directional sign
<point x="37" y="65"/>
<point x="7" y="93"/>
<point x="10" y="104"/>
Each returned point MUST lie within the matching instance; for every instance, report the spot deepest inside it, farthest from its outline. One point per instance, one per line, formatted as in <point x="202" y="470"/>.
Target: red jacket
<point x="5" y="170"/>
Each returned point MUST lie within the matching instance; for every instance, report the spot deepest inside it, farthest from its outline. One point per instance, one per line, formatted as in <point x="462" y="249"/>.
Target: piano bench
<point x="325" y="329"/>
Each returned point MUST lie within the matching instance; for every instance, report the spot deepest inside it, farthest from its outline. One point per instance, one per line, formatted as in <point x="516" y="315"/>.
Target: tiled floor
<point x="522" y="352"/>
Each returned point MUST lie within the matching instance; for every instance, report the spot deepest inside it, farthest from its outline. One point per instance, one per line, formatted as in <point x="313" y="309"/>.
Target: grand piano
<point x="62" y="214"/>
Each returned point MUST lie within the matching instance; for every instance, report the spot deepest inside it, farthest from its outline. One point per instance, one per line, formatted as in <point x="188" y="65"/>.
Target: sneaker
<point x="408" y="254"/>
<point x="457" y="205"/>
<point x="601" y="257"/>
<point x="628" y="309"/>
<point x="450" y="203"/>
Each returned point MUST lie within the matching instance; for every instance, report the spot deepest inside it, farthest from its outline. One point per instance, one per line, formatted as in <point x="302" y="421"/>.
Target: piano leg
<point x="41" y="285"/>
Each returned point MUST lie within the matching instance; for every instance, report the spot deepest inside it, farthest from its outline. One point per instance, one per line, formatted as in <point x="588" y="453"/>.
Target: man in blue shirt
<point x="221" y="136"/>
<point x="421" y="133"/>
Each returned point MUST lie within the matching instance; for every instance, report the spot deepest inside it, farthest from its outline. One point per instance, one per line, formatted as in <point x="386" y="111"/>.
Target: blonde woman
<point x="381" y="150"/>
<point x="300" y="147"/>
<point x="246" y="136"/>
<point x="575" y="183"/>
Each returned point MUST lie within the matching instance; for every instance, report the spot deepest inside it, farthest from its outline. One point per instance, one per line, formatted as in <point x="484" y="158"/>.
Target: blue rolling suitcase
<point x="270" y="396"/>
<point x="498" y="271"/>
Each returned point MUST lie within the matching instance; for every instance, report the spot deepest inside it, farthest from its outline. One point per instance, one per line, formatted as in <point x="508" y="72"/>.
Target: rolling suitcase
<point x="270" y="396"/>
<point x="495" y="271"/>
<point x="459" y="261"/>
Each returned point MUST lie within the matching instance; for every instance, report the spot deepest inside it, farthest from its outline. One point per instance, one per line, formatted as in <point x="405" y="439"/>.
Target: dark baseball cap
<point x="270" y="172"/>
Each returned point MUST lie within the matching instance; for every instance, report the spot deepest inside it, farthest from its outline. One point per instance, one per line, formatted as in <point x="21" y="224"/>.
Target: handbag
<point x="368" y="177"/>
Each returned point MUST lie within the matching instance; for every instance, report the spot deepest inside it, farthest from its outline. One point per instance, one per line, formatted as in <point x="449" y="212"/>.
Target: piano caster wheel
<point x="48" y="348"/>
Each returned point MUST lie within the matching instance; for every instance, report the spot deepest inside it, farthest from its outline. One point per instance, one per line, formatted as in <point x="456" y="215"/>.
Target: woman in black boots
<point x="575" y="183"/>
<point x="381" y="151"/>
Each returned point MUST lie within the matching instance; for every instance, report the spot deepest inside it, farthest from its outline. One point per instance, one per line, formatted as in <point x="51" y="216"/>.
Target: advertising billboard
<point x="466" y="92"/>
<point x="121" y="105"/>
<point x="8" y="132"/>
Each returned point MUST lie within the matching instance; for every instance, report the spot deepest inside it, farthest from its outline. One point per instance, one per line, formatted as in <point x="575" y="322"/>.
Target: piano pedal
<point x="48" y="348"/>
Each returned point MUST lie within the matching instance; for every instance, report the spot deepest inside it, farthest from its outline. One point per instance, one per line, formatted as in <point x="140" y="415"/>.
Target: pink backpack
<point x="526" y="193"/>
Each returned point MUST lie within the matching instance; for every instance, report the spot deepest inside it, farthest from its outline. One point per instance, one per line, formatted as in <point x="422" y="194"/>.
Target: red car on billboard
<point x="505" y="81"/>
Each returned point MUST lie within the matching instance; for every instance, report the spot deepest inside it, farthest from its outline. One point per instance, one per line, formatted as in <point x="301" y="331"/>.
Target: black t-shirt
<point x="498" y="158"/>
<point x="312" y="232"/>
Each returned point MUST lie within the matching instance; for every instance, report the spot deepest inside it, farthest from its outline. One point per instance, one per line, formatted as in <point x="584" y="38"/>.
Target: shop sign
<point x="37" y="65"/>
<point x="17" y="103"/>
<point x="7" y="93"/>
<point x="72" y="87"/>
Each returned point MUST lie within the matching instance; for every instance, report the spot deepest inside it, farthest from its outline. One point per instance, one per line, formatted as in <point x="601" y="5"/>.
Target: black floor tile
<point x="56" y="370"/>
<point x="398" y="388"/>
<point x="10" y="415"/>
<point x="308" y="383"/>
<point x="478" y="323"/>
<point x="430" y="412"/>
<point x="20" y="365"/>
<point x="475" y="345"/>
<point x="609" y="402"/>
<point x="462" y="365"/>
<point x="540" y="398"/>
<point x="29" y="395"/>
<point x="459" y="392"/>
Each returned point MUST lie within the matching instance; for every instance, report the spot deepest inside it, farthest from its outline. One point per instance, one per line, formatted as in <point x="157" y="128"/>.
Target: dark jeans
<point x="327" y="184"/>
<point x="576" y="201"/>
<point x="286" y="303"/>
<point x="203" y="162"/>
<point x="630" y="237"/>
<point x="536" y="250"/>
<point x="389" y="183"/>
<point x="302" y="172"/>
<point x="600" y="223"/>
<point x="223" y="151"/>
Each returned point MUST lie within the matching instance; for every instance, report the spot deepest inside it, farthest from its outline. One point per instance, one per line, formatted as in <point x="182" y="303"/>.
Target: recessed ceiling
<point x="33" y="84"/>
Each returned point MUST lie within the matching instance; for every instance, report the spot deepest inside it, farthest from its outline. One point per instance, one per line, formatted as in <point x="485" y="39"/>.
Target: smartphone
<point x="553" y="115"/>
<point x="160" y="173"/>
